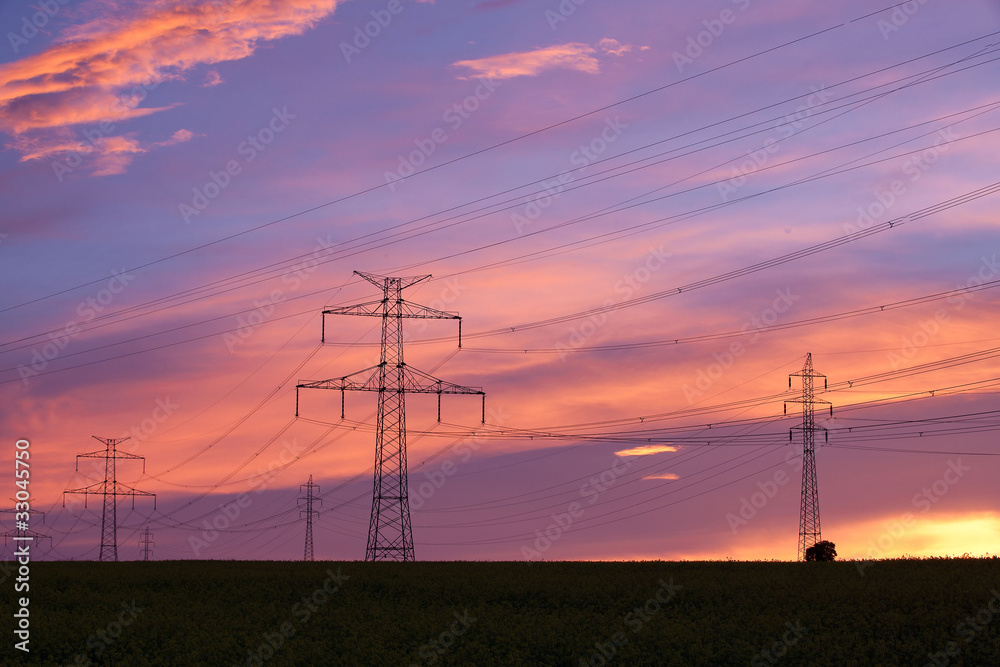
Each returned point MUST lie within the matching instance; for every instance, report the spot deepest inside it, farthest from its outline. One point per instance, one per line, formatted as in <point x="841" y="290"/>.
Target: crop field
<point x="902" y="612"/>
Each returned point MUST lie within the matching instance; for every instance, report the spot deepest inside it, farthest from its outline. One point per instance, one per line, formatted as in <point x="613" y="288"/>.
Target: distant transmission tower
<point x="146" y="543"/>
<point x="390" y="536"/>
<point x="110" y="488"/>
<point x="809" y="530"/>
<point x="21" y="530"/>
<point x="307" y="509"/>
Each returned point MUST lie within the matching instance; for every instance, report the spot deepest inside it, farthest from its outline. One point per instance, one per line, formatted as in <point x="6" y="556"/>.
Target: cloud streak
<point x="646" y="450"/>
<point x="572" y="56"/>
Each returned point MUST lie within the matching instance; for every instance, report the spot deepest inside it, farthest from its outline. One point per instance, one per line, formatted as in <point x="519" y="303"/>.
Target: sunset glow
<point x="645" y="218"/>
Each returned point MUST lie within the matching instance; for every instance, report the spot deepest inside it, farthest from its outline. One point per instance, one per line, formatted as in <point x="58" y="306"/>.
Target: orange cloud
<point x="646" y="450"/>
<point x="575" y="55"/>
<point x="98" y="73"/>
<point x="669" y="476"/>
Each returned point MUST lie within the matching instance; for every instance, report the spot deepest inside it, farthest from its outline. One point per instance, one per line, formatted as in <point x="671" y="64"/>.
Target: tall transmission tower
<point x="146" y="543"/>
<point x="809" y="527"/>
<point x="390" y="535"/>
<point x="110" y="488"/>
<point x="307" y="508"/>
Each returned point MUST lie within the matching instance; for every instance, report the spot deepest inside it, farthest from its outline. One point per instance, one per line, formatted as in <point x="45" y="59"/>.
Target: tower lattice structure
<point x="390" y="534"/>
<point x="146" y="543"/>
<point x="110" y="489"/>
<point x="809" y="523"/>
<point x="306" y="505"/>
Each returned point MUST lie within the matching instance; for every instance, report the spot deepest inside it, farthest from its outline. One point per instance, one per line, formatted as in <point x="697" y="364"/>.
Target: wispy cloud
<point x="212" y="78"/>
<point x="670" y="476"/>
<point x="646" y="450"/>
<point x="100" y="71"/>
<point x="573" y="56"/>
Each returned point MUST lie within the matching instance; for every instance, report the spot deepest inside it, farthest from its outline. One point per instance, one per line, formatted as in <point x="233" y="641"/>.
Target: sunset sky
<point x="647" y="214"/>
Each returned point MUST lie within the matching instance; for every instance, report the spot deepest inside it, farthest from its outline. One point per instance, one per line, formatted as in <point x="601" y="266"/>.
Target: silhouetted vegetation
<point x="510" y="613"/>
<point x="823" y="552"/>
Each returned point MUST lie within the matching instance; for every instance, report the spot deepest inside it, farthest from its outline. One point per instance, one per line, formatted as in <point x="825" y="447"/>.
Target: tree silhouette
<point x="824" y="551"/>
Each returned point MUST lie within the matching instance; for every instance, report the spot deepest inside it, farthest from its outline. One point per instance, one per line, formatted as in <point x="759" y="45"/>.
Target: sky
<point x="646" y="213"/>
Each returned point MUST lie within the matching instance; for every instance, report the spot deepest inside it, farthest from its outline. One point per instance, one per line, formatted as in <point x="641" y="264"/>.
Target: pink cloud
<point x="574" y="56"/>
<point x="212" y="78"/>
<point x="613" y="47"/>
<point x="100" y="71"/>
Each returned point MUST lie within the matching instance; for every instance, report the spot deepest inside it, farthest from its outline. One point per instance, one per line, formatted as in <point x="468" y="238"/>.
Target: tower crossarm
<point x="117" y="489"/>
<point x="363" y="380"/>
<point x="408" y="310"/>
<point x="380" y="281"/>
<point x="20" y="535"/>
<point x="113" y="454"/>
<point x="415" y="382"/>
<point x="369" y="309"/>
<point x="419" y="382"/>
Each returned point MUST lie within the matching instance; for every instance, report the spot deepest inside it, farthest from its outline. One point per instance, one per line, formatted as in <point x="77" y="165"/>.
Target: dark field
<point x="652" y="613"/>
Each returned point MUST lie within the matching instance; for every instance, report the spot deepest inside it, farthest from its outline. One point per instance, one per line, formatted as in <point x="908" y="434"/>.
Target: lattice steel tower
<point x="110" y="488"/>
<point x="146" y="543"/>
<point x="390" y="535"/>
<point x="309" y="499"/>
<point x="809" y="528"/>
<point x="21" y="531"/>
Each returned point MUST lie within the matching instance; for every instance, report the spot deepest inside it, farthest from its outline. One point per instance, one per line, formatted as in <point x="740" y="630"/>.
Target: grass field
<point x="906" y="612"/>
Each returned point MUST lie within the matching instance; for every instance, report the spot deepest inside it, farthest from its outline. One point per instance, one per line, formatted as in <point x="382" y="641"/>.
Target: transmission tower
<point x="809" y="529"/>
<point x="390" y="536"/>
<point x="21" y="530"/>
<point x="146" y="543"/>
<point x="110" y="488"/>
<point x="307" y="509"/>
